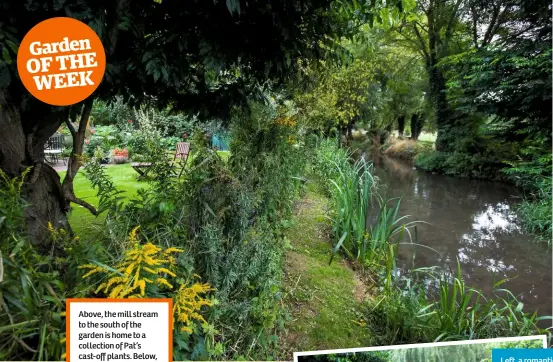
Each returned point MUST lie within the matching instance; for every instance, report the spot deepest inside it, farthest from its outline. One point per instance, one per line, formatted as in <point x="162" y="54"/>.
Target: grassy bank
<point x="323" y="301"/>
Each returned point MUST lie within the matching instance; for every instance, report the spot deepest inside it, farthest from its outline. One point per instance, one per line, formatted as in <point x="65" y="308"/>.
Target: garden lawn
<point x="125" y="179"/>
<point x="324" y="300"/>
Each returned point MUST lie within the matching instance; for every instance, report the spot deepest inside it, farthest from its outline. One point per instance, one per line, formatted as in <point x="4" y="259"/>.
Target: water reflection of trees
<point x="471" y="221"/>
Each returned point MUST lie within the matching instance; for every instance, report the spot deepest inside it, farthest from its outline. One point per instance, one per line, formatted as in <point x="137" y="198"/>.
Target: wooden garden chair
<point x="182" y="150"/>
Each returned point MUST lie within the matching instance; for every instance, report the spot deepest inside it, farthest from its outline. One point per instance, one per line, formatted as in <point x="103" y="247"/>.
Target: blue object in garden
<point x="219" y="142"/>
<point x="522" y="355"/>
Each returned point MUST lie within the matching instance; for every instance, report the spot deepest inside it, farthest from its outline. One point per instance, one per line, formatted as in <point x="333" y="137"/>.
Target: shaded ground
<point x="323" y="299"/>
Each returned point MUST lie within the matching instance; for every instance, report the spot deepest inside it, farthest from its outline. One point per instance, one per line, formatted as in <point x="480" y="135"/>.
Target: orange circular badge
<point x="61" y="61"/>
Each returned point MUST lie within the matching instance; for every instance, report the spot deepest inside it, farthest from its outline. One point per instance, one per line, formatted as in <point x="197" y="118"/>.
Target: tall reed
<point x="353" y="196"/>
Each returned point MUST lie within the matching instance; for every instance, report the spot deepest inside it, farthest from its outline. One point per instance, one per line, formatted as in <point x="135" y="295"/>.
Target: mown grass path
<point x="323" y="300"/>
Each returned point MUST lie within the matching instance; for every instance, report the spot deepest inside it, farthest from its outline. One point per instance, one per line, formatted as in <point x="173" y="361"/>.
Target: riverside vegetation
<point x="283" y="242"/>
<point x="480" y="352"/>
<point x="215" y="244"/>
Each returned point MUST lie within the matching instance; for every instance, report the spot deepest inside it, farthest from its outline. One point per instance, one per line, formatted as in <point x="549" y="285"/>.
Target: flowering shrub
<point x="285" y="121"/>
<point x="187" y="302"/>
<point x="142" y="265"/>
<point x="145" y="265"/>
<point x="123" y="152"/>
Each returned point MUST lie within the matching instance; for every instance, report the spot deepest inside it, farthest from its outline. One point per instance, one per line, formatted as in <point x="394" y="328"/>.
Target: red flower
<point x="121" y="152"/>
<point x="129" y="121"/>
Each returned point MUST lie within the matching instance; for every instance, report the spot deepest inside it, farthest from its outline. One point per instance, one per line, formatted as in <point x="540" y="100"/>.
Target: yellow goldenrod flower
<point x="93" y="271"/>
<point x="142" y="285"/>
<point x="188" y="302"/>
<point x="150" y="270"/>
<point x="116" y="291"/>
<point x="166" y="271"/>
<point x="139" y="261"/>
<point x="173" y="250"/>
<point x="132" y="235"/>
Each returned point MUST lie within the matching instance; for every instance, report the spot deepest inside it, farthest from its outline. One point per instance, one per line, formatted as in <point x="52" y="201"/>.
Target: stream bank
<point x="323" y="301"/>
<point x="471" y="220"/>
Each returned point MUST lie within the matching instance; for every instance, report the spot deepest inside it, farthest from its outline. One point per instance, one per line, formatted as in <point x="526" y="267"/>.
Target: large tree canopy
<point x="189" y="53"/>
<point x="198" y="56"/>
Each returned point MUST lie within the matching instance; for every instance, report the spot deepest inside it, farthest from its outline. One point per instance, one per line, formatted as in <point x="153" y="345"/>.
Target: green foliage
<point x="352" y="198"/>
<point x="33" y="287"/>
<point x="215" y="65"/>
<point x="537" y="217"/>
<point x="411" y="313"/>
<point x="513" y="85"/>
<point x="104" y="139"/>
<point x="113" y="113"/>
<point x="338" y="96"/>
<point x="377" y="85"/>
<point x="361" y="236"/>
<point x="227" y="219"/>
<point x="30" y="293"/>
<point x="478" y="165"/>
<point x="535" y="178"/>
<point x="267" y="153"/>
<point x="325" y="161"/>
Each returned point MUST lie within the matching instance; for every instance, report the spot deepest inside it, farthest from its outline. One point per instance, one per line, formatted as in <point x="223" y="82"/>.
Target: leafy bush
<point x="226" y="218"/>
<point x="33" y="287"/>
<point x="115" y="113"/>
<point x="478" y="165"/>
<point x="104" y="139"/>
<point x="266" y="154"/>
<point x="326" y="162"/>
<point x="534" y="177"/>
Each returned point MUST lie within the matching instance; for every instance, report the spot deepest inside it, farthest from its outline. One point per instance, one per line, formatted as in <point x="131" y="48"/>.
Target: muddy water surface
<point x="472" y="221"/>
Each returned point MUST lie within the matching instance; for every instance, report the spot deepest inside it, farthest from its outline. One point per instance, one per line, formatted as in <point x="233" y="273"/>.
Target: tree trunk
<point x="350" y="130"/>
<point x="400" y="126"/>
<point x="445" y="142"/>
<point x="22" y="147"/>
<point x="23" y="135"/>
<point x="416" y="126"/>
<point x="75" y="161"/>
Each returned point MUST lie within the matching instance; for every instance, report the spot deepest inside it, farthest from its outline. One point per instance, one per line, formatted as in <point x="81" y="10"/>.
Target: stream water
<point x="474" y="222"/>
